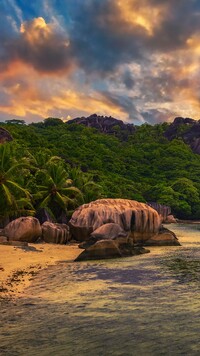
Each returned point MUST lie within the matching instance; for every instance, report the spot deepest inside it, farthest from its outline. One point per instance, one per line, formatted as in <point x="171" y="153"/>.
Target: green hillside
<point x="61" y="166"/>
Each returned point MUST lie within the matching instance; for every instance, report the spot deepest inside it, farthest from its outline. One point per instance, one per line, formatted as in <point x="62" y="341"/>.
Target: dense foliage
<point x="61" y="166"/>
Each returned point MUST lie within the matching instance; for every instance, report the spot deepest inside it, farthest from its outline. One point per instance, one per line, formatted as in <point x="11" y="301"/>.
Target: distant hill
<point x="184" y="128"/>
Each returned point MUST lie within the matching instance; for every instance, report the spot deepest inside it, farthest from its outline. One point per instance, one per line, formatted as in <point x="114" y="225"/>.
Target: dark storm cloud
<point x="128" y="79"/>
<point x="101" y="40"/>
<point x="180" y="22"/>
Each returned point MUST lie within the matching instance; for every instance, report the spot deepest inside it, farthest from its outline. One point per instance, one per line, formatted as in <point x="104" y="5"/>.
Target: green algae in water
<point x="184" y="269"/>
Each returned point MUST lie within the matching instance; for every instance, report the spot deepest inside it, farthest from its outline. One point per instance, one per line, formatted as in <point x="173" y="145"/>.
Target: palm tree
<point x="55" y="190"/>
<point x="42" y="158"/>
<point x="84" y="181"/>
<point x="14" y="198"/>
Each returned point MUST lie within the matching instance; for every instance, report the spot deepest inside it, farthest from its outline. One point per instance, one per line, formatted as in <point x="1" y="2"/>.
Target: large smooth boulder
<point x="23" y="229"/>
<point x="55" y="233"/>
<point x="139" y="219"/>
<point x="164" y="238"/>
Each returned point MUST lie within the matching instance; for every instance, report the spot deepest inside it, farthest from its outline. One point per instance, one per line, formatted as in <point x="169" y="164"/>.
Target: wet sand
<point x="19" y="265"/>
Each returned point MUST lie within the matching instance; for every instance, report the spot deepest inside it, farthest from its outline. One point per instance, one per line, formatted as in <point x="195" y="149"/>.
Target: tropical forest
<point x="59" y="166"/>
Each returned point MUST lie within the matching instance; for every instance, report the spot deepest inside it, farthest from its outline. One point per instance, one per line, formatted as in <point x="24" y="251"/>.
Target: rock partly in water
<point x="105" y="249"/>
<point x="55" y="233"/>
<point x="164" y="238"/>
<point x="138" y="219"/>
<point x="23" y="229"/>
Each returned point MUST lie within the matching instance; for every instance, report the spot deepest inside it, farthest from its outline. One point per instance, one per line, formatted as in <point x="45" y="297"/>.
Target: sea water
<point x="141" y="305"/>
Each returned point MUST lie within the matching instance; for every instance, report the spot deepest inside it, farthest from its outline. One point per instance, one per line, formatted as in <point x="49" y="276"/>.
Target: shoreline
<point x="19" y="265"/>
<point x="188" y="221"/>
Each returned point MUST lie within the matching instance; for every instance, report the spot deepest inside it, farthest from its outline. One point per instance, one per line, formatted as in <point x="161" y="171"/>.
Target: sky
<point x="136" y="60"/>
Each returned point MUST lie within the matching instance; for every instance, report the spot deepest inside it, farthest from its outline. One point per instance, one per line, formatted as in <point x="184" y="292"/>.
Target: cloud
<point x="41" y="46"/>
<point x="154" y="116"/>
<point x="33" y="98"/>
<point x="124" y="103"/>
<point x="128" y="79"/>
<point x="136" y="59"/>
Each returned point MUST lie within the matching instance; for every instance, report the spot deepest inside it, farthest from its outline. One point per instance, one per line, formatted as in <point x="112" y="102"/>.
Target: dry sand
<point x="19" y="265"/>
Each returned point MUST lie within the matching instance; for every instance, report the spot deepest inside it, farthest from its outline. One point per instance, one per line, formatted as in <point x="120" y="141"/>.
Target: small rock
<point x="170" y="219"/>
<point x="3" y="239"/>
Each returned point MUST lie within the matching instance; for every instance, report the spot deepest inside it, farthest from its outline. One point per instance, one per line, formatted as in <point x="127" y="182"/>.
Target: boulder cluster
<point x="106" y="228"/>
<point x="104" y="124"/>
<point x="186" y="128"/>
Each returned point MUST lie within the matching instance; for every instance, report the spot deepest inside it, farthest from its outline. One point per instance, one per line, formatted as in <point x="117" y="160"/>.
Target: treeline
<point x="59" y="166"/>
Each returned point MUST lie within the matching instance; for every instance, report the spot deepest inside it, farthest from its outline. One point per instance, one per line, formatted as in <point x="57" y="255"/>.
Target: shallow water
<point x="142" y="305"/>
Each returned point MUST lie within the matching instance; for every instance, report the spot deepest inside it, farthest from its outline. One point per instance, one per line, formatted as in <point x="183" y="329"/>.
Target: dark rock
<point x="55" y="233"/>
<point x="105" y="124"/>
<point x="23" y="229"/>
<point x="103" y="249"/>
<point x="187" y="129"/>
<point x="5" y="136"/>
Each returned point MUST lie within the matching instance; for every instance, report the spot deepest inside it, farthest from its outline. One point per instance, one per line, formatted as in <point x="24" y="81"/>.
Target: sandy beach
<point x="19" y="265"/>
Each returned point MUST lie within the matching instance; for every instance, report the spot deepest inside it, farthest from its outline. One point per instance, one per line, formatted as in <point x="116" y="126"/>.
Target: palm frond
<point x="45" y="202"/>
<point x="17" y="186"/>
<point x="7" y="194"/>
<point x="60" y="200"/>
